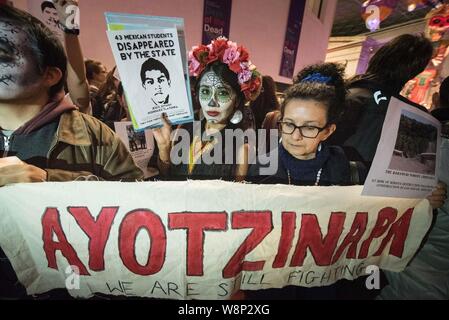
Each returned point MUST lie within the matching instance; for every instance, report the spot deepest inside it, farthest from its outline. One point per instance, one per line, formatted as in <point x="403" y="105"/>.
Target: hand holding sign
<point x="163" y="136"/>
<point x="438" y="196"/>
<point x="150" y="65"/>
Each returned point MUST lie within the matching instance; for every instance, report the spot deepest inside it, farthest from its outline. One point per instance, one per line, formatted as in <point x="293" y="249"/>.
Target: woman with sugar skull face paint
<point x="225" y="81"/>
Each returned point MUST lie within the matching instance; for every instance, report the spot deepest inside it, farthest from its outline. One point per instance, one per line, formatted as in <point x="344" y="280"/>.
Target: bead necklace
<point x="318" y="177"/>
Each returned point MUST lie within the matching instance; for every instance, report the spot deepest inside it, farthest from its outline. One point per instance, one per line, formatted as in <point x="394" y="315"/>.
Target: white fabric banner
<point x="201" y="239"/>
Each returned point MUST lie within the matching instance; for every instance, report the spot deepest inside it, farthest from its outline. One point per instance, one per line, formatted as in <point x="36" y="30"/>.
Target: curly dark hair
<point x="400" y="60"/>
<point x="330" y="92"/>
<point x="266" y="101"/>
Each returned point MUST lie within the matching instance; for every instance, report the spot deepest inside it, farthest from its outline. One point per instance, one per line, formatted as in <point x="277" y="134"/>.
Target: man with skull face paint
<point x="53" y="141"/>
<point x="226" y="79"/>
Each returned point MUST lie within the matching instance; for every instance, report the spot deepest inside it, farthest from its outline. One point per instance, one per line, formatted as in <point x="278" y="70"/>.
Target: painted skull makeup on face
<point x="18" y="73"/>
<point x="217" y="98"/>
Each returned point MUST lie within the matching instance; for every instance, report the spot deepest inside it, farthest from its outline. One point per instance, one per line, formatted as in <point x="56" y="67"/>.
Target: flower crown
<point x="235" y="57"/>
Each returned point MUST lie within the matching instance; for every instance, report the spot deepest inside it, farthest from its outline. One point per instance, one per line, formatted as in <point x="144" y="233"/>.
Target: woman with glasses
<point x="308" y="115"/>
<point x="309" y="112"/>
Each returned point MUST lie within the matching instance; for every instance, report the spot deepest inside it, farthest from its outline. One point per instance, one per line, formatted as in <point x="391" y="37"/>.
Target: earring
<point x="319" y="147"/>
<point x="237" y="117"/>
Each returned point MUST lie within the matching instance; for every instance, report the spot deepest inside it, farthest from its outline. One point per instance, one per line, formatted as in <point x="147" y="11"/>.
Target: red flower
<point x="251" y="88"/>
<point x="255" y="84"/>
<point x="235" y="66"/>
<point x="201" y="54"/>
<point x="244" y="55"/>
<point x="217" y="51"/>
<point x="219" y="46"/>
<point x="245" y="86"/>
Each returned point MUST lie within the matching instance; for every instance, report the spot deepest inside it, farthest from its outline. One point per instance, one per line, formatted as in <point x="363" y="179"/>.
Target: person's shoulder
<point x="94" y="127"/>
<point x="337" y="153"/>
<point x="337" y="161"/>
<point x="348" y="172"/>
<point x="364" y="87"/>
<point x="442" y="114"/>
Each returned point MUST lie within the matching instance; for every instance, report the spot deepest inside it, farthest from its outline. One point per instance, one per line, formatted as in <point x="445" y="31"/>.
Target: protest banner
<point x="201" y="239"/>
<point x="405" y="165"/>
<point x="139" y="143"/>
<point x="216" y="19"/>
<point x="150" y="56"/>
<point x="291" y="41"/>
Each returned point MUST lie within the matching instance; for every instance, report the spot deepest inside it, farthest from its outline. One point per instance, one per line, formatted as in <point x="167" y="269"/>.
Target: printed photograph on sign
<point x="151" y="70"/>
<point x="156" y="82"/>
<point x="140" y="144"/>
<point x="416" y="143"/>
<point x="47" y="13"/>
<point x="406" y="158"/>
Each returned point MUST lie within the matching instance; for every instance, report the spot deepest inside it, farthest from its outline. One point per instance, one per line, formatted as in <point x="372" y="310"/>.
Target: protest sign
<point x="139" y="143"/>
<point x="150" y="67"/>
<point x="178" y="111"/>
<point x="292" y="34"/>
<point x="201" y="239"/>
<point x="407" y="154"/>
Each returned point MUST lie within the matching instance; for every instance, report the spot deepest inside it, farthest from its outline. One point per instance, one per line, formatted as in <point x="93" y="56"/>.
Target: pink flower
<point x="244" y="76"/>
<point x="244" y="65"/>
<point x="232" y="44"/>
<point x="194" y="65"/>
<point x="230" y="55"/>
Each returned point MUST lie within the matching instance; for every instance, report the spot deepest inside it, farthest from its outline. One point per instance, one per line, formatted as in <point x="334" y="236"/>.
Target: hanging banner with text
<point x="291" y="42"/>
<point x="216" y="19"/>
<point x="201" y="239"/>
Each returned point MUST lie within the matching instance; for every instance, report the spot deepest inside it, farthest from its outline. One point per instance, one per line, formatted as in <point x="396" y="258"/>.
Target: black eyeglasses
<point x="306" y="131"/>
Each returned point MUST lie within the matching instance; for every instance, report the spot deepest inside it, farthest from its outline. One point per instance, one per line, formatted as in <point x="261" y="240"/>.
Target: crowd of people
<point x="57" y="114"/>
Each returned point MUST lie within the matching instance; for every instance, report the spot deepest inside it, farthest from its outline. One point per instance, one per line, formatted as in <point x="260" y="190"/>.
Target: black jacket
<point x="360" y="127"/>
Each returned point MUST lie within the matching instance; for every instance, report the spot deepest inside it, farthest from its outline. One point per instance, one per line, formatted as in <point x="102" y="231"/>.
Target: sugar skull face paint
<point x="217" y="98"/>
<point x="18" y="72"/>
